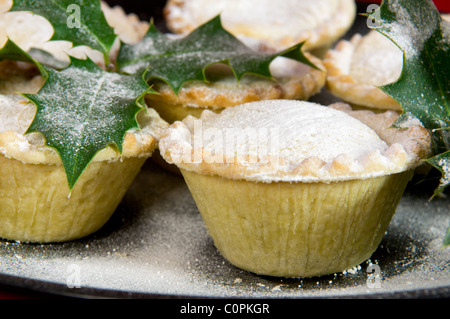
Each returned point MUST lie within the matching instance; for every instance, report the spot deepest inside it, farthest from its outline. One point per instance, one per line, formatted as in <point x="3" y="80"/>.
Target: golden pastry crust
<point x="292" y="80"/>
<point x="403" y="149"/>
<point x="415" y="139"/>
<point x="357" y="81"/>
<point x="266" y="24"/>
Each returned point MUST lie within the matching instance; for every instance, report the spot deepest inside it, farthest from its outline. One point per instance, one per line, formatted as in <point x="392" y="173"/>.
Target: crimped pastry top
<point x="293" y="141"/>
<point x="16" y="114"/>
<point x="376" y="60"/>
<point x="291" y="80"/>
<point x="278" y="24"/>
<point x="358" y="67"/>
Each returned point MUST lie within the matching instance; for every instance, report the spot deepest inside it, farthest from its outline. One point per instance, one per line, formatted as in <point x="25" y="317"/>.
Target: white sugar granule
<point x="444" y="164"/>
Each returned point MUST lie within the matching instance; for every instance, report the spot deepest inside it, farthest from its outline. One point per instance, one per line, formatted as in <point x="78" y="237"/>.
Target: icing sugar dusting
<point x="444" y="164"/>
<point x="304" y="130"/>
<point x="406" y="31"/>
<point x="16" y="113"/>
<point x="376" y="60"/>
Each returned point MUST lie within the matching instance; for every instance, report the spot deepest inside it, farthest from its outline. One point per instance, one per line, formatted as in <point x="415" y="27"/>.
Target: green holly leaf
<point x="447" y="238"/>
<point x="12" y="52"/>
<point x="442" y="163"/>
<point x="179" y="60"/>
<point x="423" y="89"/>
<point x="79" y="21"/>
<point x="83" y="109"/>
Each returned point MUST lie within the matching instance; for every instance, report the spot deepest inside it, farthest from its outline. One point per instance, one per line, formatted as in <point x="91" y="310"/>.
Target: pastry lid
<point x="273" y="24"/>
<point x="358" y="67"/>
<point x="293" y="141"/>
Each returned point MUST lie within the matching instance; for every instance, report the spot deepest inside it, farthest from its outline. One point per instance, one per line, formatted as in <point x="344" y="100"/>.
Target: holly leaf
<point x="12" y="52"/>
<point x="423" y="89"/>
<point x="83" y="109"/>
<point x="442" y="163"/>
<point x="79" y="21"/>
<point x="447" y="238"/>
<point x="180" y="60"/>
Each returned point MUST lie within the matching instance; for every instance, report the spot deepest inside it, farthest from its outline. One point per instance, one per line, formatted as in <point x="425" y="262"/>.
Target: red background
<point x="442" y="5"/>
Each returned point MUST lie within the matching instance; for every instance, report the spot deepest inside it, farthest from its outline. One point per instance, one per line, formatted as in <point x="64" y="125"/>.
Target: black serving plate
<point x="156" y="245"/>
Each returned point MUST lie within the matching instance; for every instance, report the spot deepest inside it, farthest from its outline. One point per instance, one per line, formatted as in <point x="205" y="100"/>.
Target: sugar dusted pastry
<point x="36" y="206"/>
<point x="265" y="23"/>
<point x="292" y="80"/>
<point x="293" y="188"/>
<point x="36" y="203"/>
<point x="17" y="26"/>
<point x="357" y="68"/>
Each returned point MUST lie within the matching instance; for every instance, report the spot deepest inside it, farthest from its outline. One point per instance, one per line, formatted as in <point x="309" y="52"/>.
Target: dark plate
<point x="156" y="245"/>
